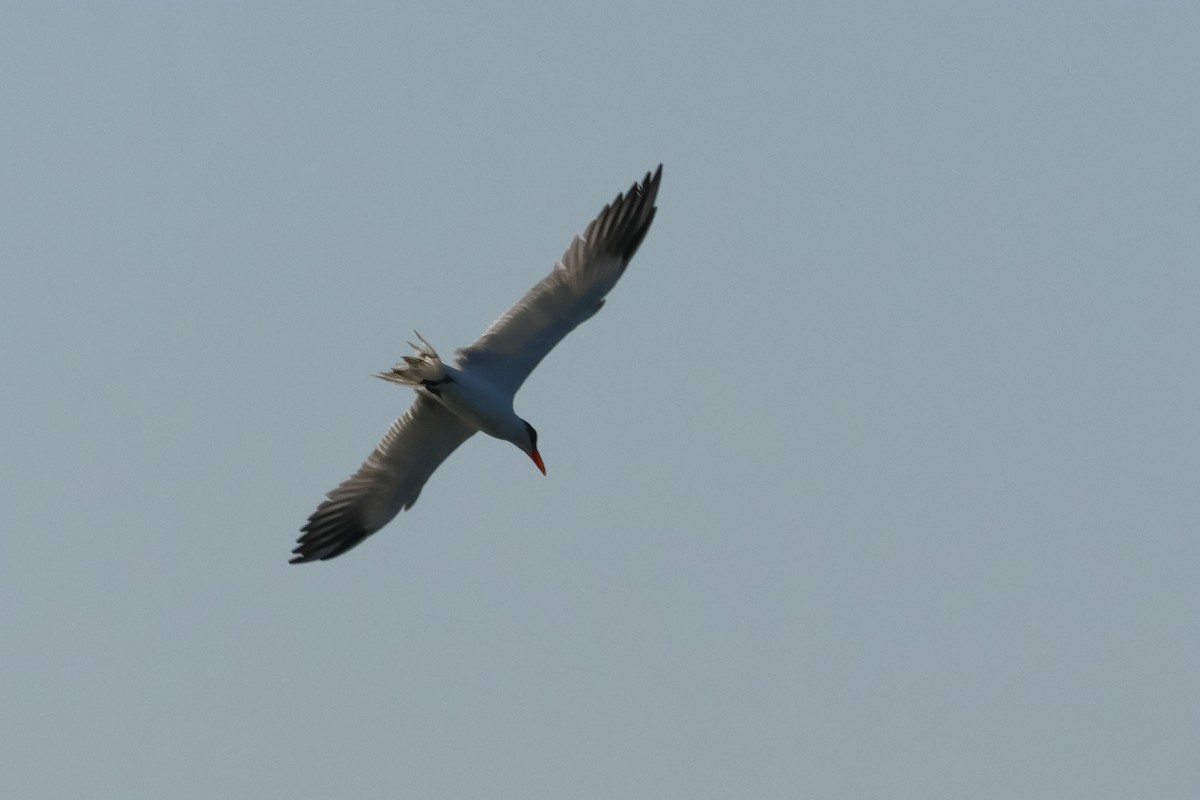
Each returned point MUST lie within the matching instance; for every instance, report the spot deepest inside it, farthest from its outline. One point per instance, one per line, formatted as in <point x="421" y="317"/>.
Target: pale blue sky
<point x="876" y="477"/>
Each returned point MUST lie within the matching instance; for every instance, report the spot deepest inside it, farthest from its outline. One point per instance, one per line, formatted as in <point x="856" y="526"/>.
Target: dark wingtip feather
<point x="634" y="212"/>
<point x="327" y="536"/>
<point x="307" y="551"/>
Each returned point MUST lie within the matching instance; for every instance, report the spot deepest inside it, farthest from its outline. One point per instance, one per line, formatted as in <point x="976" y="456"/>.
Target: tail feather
<point x="416" y="369"/>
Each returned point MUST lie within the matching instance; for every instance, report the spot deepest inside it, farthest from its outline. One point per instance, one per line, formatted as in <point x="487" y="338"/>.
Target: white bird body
<point x="489" y="408"/>
<point x="476" y="394"/>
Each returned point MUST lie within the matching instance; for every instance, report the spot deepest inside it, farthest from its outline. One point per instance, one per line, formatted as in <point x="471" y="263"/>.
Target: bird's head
<point x="529" y="445"/>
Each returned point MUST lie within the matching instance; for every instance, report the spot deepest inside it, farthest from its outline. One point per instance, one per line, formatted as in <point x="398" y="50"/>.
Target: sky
<point x="874" y="478"/>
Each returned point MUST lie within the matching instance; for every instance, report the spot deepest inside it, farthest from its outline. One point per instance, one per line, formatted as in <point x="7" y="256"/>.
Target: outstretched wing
<point x="573" y="291"/>
<point x="389" y="481"/>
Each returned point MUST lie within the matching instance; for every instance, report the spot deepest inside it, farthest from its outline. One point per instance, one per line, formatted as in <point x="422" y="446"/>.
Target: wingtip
<point x="299" y="556"/>
<point x="648" y="183"/>
<point x="652" y="178"/>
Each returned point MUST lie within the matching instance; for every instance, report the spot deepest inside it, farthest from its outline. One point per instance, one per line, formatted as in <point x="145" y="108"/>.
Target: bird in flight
<point x="476" y="393"/>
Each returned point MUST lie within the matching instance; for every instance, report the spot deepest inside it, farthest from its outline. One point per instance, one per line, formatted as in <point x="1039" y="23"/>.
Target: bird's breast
<point x="478" y="403"/>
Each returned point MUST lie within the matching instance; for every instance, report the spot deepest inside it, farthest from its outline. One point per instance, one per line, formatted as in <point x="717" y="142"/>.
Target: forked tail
<point x="423" y="368"/>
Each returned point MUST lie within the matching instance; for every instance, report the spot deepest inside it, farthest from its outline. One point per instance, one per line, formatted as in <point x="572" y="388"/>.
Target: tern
<point x="476" y="393"/>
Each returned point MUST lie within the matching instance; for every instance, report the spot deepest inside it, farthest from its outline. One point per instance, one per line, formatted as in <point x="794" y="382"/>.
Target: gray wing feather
<point x="574" y="290"/>
<point x="389" y="481"/>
